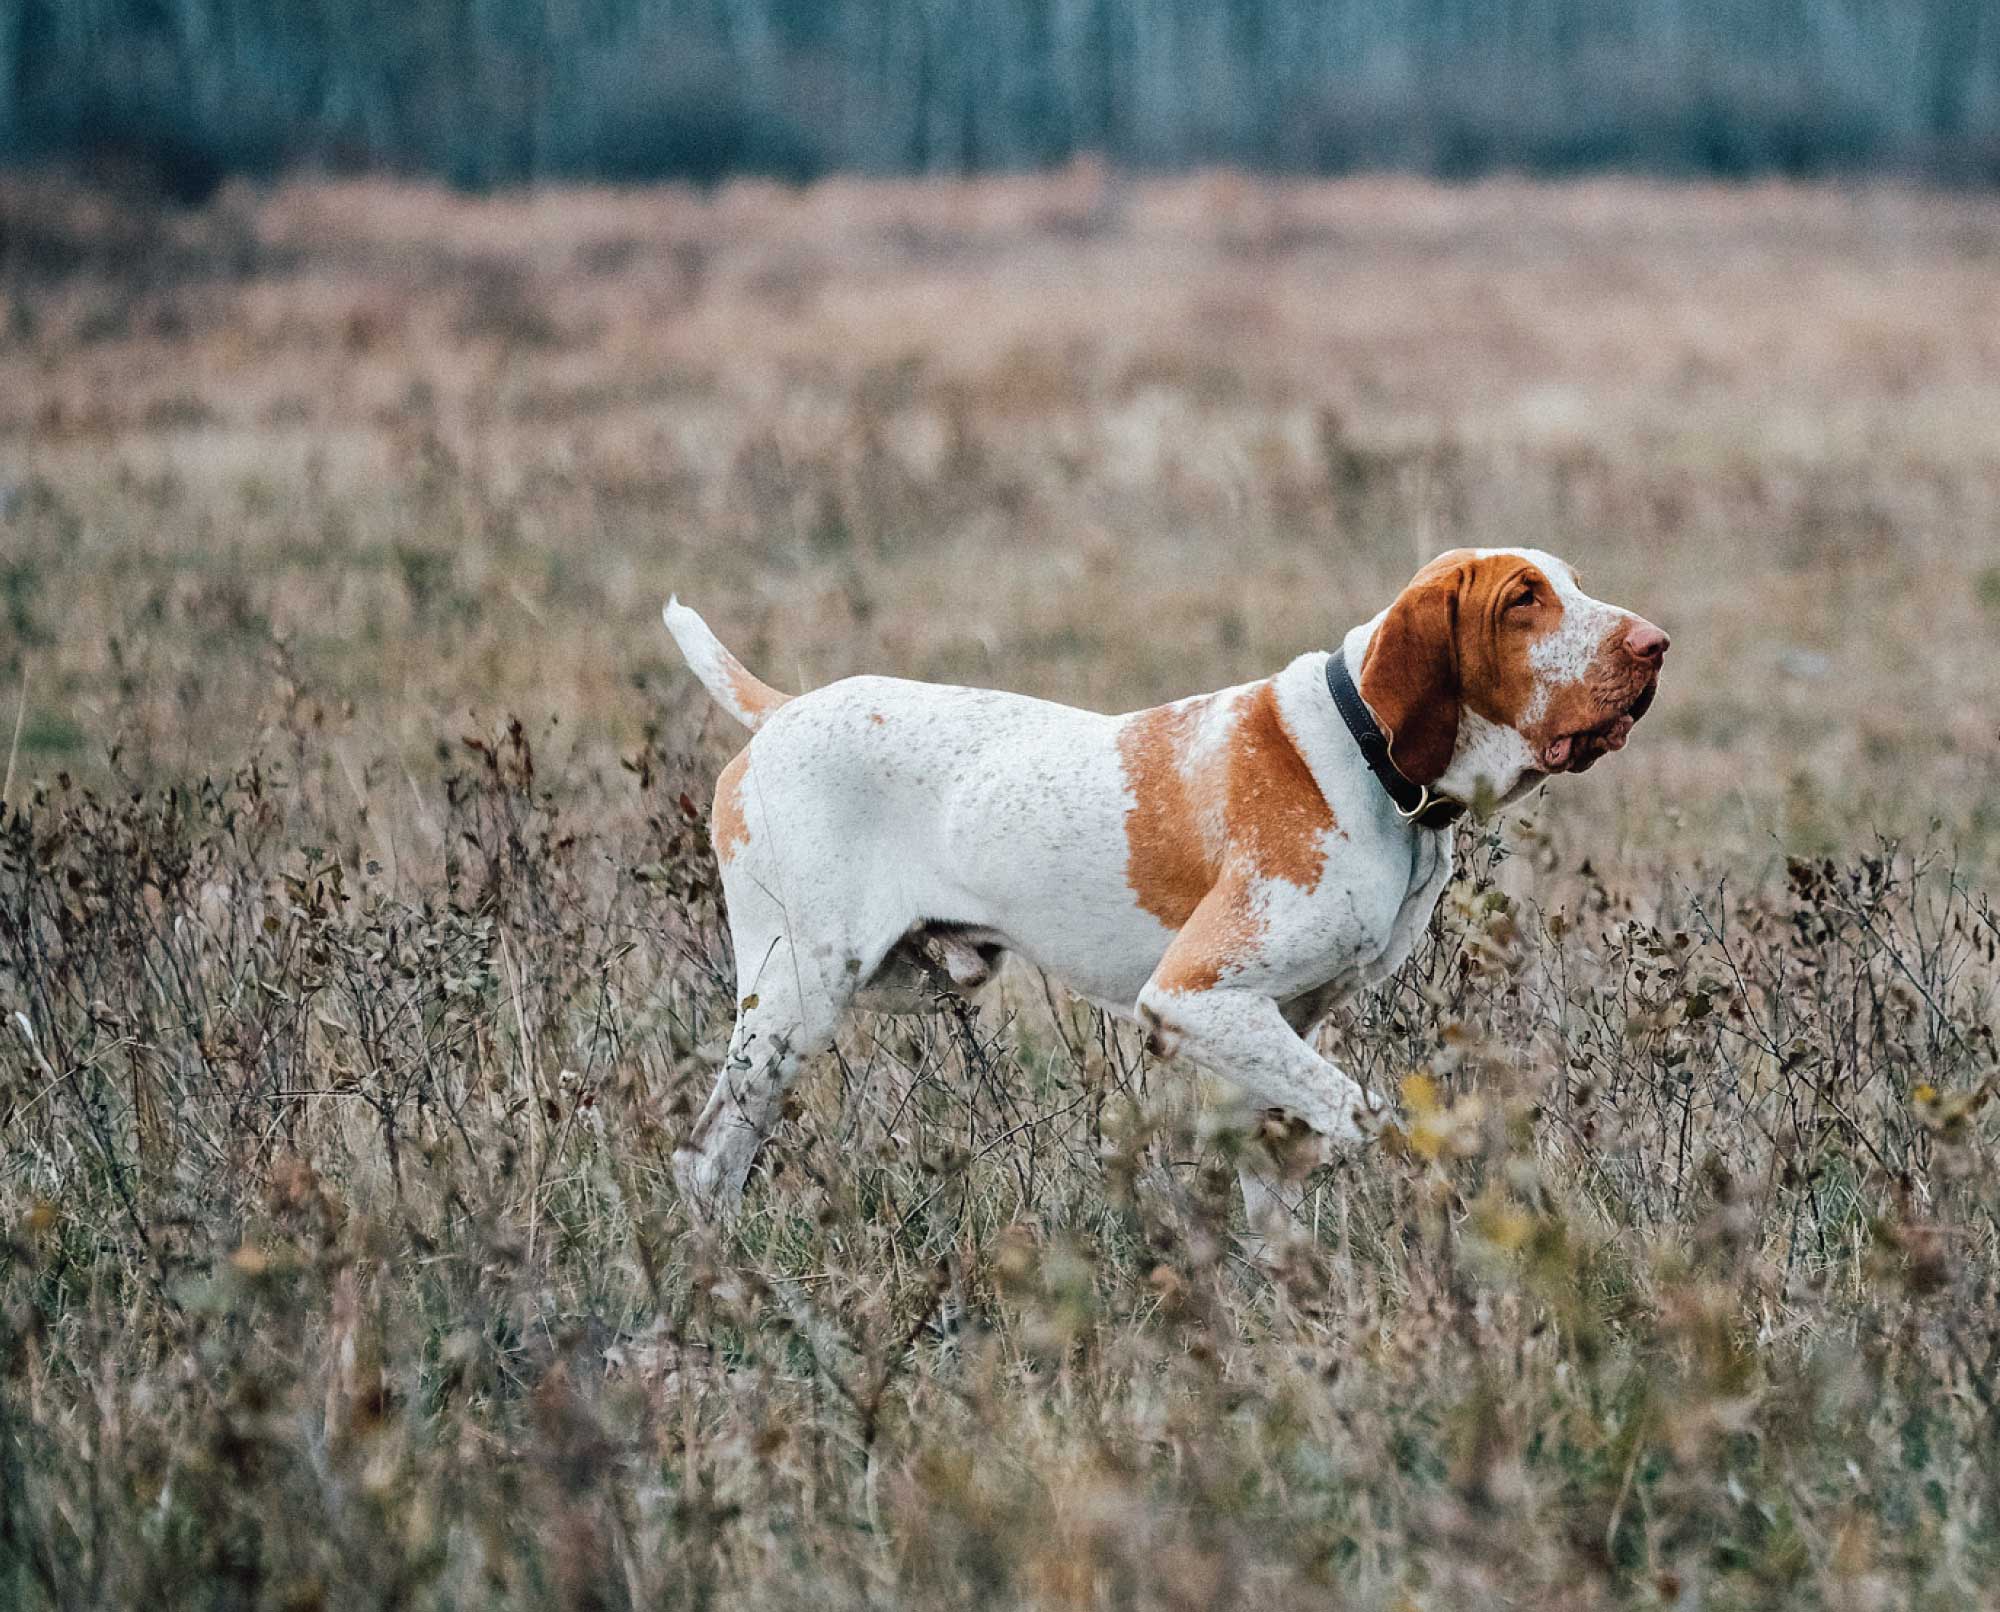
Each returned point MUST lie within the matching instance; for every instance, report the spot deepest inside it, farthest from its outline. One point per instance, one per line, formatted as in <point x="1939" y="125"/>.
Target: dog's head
<point x="1494" y="669"/>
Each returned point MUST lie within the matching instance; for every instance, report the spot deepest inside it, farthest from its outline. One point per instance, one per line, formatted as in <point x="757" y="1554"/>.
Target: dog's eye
<point x="1524" y="596"/>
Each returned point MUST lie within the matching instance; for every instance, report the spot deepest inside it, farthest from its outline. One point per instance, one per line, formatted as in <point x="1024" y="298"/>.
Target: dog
<point x="1224" y="869"/>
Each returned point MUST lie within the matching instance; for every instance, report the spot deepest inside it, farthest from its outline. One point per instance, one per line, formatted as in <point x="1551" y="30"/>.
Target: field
<point x="361" y="958"/>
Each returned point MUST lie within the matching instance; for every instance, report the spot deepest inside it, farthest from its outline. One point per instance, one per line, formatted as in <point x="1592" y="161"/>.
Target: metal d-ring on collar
<point x="1414" y="802"/>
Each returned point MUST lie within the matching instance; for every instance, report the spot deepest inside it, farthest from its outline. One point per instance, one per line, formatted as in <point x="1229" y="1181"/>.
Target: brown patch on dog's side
<point x="1168" y="862"/>
<point x="728" y="828"/>
<point x="1256" y="790"/>
<point x="1276" y="815"/>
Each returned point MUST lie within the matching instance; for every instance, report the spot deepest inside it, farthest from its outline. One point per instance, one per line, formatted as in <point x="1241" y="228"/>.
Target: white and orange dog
<point x="1223" y="869"/>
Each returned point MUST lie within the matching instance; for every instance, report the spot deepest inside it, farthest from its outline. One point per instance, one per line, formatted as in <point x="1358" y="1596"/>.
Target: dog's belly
<point x="1108" y="968"/>
<point x="1062" y="910"/>
<point x="910" y="976"/>
<point x="1033" y="839"/>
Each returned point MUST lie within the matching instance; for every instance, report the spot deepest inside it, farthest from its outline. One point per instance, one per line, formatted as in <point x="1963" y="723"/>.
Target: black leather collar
<point x="1414" y="802"/>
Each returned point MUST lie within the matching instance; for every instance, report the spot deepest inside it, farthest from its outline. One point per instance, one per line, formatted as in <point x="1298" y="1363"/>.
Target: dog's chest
<point x="1430" y="870"/>
<point x="1395" y="919"/>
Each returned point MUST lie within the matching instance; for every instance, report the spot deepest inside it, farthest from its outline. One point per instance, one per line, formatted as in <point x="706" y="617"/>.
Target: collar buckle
<point x="1433" y="811"/>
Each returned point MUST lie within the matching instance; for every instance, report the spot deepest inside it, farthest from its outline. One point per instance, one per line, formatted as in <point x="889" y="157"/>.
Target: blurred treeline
<point x="486" y="92"/>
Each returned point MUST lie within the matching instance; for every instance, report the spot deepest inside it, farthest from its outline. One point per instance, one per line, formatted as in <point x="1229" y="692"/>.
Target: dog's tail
<point x="721" y="673"/>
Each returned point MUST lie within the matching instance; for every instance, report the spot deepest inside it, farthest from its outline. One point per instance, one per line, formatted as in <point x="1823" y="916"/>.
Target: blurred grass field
<point x="359" y="943"/>
<point x="1101" y="440"/>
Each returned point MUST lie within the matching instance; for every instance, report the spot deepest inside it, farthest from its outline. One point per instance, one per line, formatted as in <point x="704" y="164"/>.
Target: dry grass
<point x="341" y="1263"/>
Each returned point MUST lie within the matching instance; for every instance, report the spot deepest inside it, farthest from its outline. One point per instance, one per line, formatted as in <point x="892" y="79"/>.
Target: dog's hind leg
<point x="789" y="1006"/>
<point x="790" y="996"/>
<point x="812" y="914"/>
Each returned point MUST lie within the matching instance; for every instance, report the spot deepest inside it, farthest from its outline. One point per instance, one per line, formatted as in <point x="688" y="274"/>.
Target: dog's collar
<point x="1414" y="802"/>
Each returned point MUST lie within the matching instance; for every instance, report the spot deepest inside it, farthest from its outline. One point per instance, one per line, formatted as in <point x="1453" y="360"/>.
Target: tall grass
<point x="344" y="1269"/>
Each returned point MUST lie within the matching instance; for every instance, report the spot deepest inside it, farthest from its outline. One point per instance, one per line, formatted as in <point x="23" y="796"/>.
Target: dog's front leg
<point x="1241" y="1036"/>
<point x="1222" y="1010"/>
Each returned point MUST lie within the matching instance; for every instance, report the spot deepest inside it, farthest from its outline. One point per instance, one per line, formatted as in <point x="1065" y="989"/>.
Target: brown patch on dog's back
<point x="1276" y="814"/>
<point x="728" y="829"/>
<point x="1255" y="790"/>
<point x="1168" y="862"/>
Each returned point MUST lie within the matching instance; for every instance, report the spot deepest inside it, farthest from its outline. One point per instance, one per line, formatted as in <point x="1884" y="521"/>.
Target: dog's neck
<point x="1491" y="766"/>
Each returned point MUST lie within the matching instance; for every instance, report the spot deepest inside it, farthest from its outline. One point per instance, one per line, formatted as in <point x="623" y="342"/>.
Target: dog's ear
<point x="1410" y="675"/>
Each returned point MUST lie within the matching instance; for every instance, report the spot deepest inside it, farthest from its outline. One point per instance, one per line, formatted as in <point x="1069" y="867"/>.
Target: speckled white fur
<point x="875" y="805"/>
<point x="1564" y="655"/>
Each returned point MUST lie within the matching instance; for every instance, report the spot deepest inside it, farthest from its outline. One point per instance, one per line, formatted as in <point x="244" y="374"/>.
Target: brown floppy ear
<point x="1410" y="677"/>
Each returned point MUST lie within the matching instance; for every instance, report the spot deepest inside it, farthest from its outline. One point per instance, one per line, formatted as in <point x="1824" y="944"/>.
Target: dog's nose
<point x="1644" y="641"/>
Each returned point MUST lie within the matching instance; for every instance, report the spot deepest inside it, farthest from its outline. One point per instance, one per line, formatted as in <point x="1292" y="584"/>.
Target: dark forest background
<point x="496" y="92"/>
